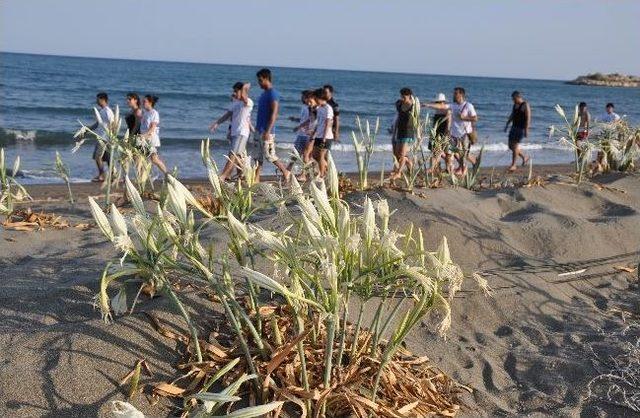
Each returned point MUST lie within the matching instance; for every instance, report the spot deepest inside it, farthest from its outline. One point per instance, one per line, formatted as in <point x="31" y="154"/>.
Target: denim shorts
<point x="239" y="144"/>
<point x="301" y="143"/>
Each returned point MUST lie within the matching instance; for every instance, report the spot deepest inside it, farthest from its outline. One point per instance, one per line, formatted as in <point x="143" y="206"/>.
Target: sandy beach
<point x="527" y="349"/>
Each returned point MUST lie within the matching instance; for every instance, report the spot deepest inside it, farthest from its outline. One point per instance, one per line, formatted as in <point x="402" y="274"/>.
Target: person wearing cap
<point x="610" y="116"/>
<point x="520" y="121"/>
<point x="442" y="126"/>
<point x="239" y="113"/>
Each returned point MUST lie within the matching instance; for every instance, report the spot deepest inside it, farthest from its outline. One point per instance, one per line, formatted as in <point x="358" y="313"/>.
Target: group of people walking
<point x="453" y="129"/>
<point x="143" y="124"/>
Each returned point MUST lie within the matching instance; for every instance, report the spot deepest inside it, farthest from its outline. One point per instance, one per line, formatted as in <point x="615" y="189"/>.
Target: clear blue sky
<point x="556" y="39"/>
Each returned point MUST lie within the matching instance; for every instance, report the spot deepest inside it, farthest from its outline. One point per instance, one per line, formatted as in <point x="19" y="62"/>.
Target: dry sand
<point x="526" y="350"/>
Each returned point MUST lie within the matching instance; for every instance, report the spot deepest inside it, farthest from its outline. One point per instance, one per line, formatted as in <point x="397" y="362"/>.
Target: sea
<point x="43" y="98"/>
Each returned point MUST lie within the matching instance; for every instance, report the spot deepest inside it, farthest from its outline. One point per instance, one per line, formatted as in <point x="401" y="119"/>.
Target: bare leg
<point x="100" y="166"/>
<point x="258" y="171"/>
<point x="159" y="163"/>
<point x="285" y="172"/>
<point x="229" y="166"/>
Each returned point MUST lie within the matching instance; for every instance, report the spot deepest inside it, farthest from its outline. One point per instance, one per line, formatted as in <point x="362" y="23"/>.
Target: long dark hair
<point x="152" y="99"/>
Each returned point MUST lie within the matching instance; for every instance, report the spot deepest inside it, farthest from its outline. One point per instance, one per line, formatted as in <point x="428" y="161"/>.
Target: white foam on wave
<point x="492" y="147"/>
<point x="22" y="135"/>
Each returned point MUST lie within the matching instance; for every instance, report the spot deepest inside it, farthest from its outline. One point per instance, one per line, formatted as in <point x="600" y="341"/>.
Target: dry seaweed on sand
<point x="409" y="386"/>
<point x="27" y="220"/>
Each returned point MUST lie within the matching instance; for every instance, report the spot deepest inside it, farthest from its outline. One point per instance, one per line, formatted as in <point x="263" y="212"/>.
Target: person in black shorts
<point x="323" y="133"/>
<point x="328" y="90"/>
<point x="520" y="120"/>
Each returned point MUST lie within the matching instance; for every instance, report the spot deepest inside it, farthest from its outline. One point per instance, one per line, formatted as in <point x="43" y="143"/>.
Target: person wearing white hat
<point x="439" y="145"/>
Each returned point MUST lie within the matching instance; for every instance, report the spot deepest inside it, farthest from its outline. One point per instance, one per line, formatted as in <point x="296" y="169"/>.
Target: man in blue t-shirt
<point x="268" y="106"/>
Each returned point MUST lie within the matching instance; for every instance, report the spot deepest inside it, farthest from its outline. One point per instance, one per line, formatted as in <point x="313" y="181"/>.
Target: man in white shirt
<point x="610" y="116"/>
<point x="463" y="116"/>
<point x="240" y="114"/>
<point x="100" y="153"/>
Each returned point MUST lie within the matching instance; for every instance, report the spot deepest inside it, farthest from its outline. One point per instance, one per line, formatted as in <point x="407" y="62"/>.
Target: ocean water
<point x="43" y="97"/>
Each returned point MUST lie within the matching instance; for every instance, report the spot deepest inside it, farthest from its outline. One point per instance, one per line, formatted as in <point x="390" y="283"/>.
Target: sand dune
<point x="526" y="350"/>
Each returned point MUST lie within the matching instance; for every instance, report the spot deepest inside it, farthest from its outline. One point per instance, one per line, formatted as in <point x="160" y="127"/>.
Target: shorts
<point x="301" y="143"/>
<point x="100" y="152"/>
<point x="239" y="144"/>
<point x="459" y="143"/>
<point x="322" y="143"/>
<point x="515" y="136"/>
<point x="404" y="141"/>
<point x="267" y="150"/>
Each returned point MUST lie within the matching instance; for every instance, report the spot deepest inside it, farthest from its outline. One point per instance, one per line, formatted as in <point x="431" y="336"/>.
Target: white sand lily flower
<point x="312" y="230"/>
<point x="16" y="166"/>
<point x="353" y="242"/>
<point x="322" y="202"/>
<point x="186" y="194"/>
<point x="443" y="252"/>
<point x="101" y="219"/>
<point x="560" y="111"/>
<point x="238" y="229"/>
<point x="119" y="302"/>
<point x="388" y="243"/>
<point x="332" y="176"/>
<point x="214" y="179"/>
<point x="177" y="203"/>
<point x="118" y="223"/>
<point x="369" y="221"/>
<point x="268" y="283"/>
<point x="382" y="208"/>
<point x="134" y="196"/>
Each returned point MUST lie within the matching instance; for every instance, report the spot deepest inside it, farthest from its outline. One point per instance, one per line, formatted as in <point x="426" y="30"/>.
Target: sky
<point x="544" y="39"/>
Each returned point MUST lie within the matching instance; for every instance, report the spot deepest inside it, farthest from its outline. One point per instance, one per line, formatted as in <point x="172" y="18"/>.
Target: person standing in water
<point x="520" y="120"/>
<point x="150" y="131"/>
<point x="439" y="145"/>
<point x="100" y="153"/>
<point x="240" y="114"/>
<point x="405" y="130"/>
<point x="463" y="116"/>
<point x="268" y="108"/>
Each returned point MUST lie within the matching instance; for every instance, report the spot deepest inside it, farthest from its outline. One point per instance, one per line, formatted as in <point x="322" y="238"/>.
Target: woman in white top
<point x="323" y="132"/>
<point x="150" y="131"/>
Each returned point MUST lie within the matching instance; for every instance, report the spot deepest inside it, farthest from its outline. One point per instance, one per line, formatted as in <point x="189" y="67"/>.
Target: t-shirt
<point x="241" y="117"/>
<point x="305" y="117"/>
<point x="148" y="117"/>
<point x="610" y="117"/>
<point x="325" y="112"/>
<point x="460" y="128"/>
<point x="264" y="109"/>
<point x="106" y="114"/>
<point x="336" y="112"/>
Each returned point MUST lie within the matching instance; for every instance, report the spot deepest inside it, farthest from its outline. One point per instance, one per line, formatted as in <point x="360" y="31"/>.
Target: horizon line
<point x="278" y="66"/>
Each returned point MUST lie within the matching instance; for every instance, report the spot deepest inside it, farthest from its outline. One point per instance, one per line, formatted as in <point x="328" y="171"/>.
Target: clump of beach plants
<point x="11" y="190"/>
<point x="126" y="152"/>
<point x="63" y="172"/>
<point x="364" y="142"/>
<point x="619" y="147"/>
<point x="293" y="342"/>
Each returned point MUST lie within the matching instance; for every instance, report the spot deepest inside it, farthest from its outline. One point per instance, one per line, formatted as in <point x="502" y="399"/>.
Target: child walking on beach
<point x="100" y="153"/>
<point x="268" y="107"/>
<point x="240" y="114"/>
<point x="306" y="123"/>
<point x="323" y="132"/>
<point x="405" y="130"/>
<point x="150" y="131"/>
<point x="520" y="120"/>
